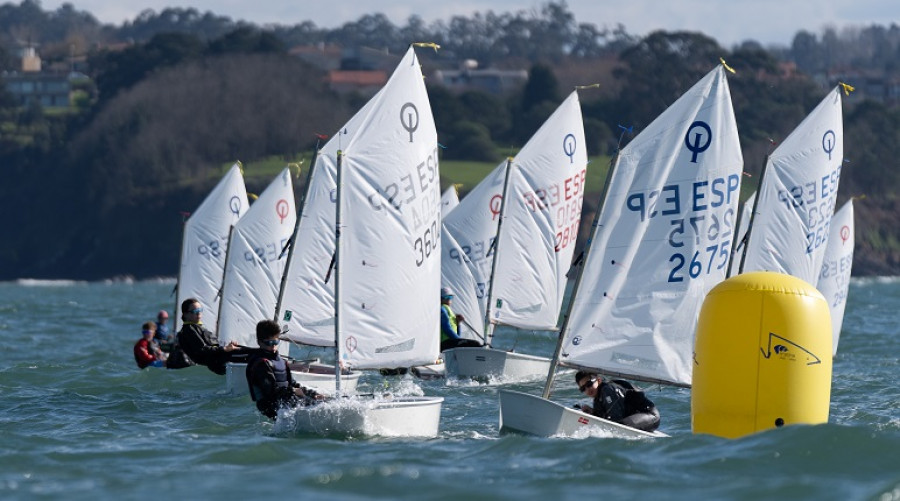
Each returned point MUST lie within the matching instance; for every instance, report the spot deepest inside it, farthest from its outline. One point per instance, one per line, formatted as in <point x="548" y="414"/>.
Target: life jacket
<point x="279" y="368"/>
<point x="635" y="399"/>
<point x="453" y="323"/>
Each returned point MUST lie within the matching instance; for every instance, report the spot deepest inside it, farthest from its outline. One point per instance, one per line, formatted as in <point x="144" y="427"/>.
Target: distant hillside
<point x="173" y="97"/>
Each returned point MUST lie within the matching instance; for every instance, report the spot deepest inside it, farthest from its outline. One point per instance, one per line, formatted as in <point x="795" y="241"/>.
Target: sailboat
<point x="509" y="243"/>
<point x="204" y="244"/>
<point x="796" y="197"/>
<point x="387" y="262"/>
<point x="659" y="243"/>
<point x="834" y="280"/>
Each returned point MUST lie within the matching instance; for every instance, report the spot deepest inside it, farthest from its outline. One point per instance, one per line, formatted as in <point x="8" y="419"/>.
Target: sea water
<point x="79" y="421"/>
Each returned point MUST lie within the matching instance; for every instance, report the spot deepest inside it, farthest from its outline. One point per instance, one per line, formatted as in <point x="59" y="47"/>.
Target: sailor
<point x="196" y="345"/>
<point x="617" y="400"/>
<point x="163" y="337"/>
<point x="146" y="353"/>
<point x="450" y="337"/>
<point x="269" y="376"/>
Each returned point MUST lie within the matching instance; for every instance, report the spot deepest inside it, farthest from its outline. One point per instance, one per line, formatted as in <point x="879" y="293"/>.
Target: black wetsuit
<point x="619" y="401"/>
<point x="271" y="384"/>
<point x="202" y="347"/>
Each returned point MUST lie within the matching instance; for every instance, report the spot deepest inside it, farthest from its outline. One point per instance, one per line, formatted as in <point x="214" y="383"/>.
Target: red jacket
<point x="142" y="354"/>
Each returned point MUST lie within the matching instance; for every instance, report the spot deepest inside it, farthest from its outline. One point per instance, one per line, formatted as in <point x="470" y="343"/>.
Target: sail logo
<point x="494" y="206"/>
<point x="569" y="147"/>
<point x="281" y="209"/>
<point x="576" y="340"/>
<point x="697" y="132"/>
<point x="409" y="118"/>
<point x="828" y="142"/>
<point x="235" y="205"/>
<point x="845" y="234"/>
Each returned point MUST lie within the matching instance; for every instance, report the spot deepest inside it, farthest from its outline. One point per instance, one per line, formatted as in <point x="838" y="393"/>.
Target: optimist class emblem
<point x="235" y="205"/>
<point x="409" y="118"/>
<point x="845" y="233"/>
<point x="696" y="146"/>
<point x="281" y="209"/>
<point x="569" y="145"/>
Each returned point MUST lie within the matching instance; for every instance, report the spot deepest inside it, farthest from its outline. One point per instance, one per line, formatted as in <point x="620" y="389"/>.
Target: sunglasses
<point x="587" y="385"/>
<point x="270" y="342"/>
<point x="196" y="311"/>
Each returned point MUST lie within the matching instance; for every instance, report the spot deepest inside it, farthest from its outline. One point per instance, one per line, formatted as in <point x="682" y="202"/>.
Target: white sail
<point x="468" y="249"/>
<point x="540" y="225"/>
<point x="467" y="281"/>
<point x="797" y="196"/>
<point x="663" y="241"/>
<point x="307" y="303"/>
<point x="449" y="200"/>
<point x="388" y="267"/>
<point x="834" y="280"/>
<point x="205" y="242"/>
<point x="743" y="225"/>
<point x="256" y="262"/>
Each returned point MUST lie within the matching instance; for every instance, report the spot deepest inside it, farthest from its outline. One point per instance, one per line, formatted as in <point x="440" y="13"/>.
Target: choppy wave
<point x="80" y="421"/>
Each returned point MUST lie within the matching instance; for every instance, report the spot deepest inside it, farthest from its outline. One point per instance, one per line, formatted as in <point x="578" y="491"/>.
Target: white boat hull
<point x="368" y="417"/>
<point x="489" y="363"/>
<point x="315" y="375"/>
<point x="524" y="413"/>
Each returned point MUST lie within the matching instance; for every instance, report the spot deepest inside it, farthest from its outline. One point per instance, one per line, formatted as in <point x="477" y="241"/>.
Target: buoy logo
<point x="783" y="353"/>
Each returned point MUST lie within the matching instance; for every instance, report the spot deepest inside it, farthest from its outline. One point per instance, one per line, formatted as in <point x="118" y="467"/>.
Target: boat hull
<point x="366" y="417"/>
<point x="488" y="363"/>
<point x="533" y="415"/>
<point x="310" y="374"/>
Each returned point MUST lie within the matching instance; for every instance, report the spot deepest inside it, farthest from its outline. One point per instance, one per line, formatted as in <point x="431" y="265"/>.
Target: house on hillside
<point x="470" y="77"/>
<point x="362" y="69"/>
<point x="33" y="85"/>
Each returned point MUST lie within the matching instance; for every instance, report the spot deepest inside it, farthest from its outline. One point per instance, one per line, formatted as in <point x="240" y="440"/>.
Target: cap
<point x="163" y="314"/>
<point x="446" y="292"/>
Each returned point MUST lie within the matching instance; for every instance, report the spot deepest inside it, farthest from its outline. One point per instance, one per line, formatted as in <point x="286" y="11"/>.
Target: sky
<point x="770" y="22"/>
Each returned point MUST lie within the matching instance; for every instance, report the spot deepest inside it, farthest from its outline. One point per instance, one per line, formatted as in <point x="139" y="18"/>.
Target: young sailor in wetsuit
<point x="269" y="376"/>
<point x="196" y="345"/>
<point x="617" y="400"/>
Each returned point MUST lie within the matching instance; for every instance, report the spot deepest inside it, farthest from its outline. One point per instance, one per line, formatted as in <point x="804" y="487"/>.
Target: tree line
<point x="196" y="91"/>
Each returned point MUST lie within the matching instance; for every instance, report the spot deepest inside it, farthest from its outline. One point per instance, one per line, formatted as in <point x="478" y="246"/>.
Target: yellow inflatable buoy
<point x="762" y="356"/>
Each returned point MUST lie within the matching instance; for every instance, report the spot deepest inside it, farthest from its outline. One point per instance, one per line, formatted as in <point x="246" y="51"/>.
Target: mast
<point x="176" y="313"/>
<point x="762" y="178"/>
<point x="337" y="274"/>
<point x="554" y="362"/>
<point x="220" y="295"/>
<point x="488" y="325"/>
<point x="293" y="241"/>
